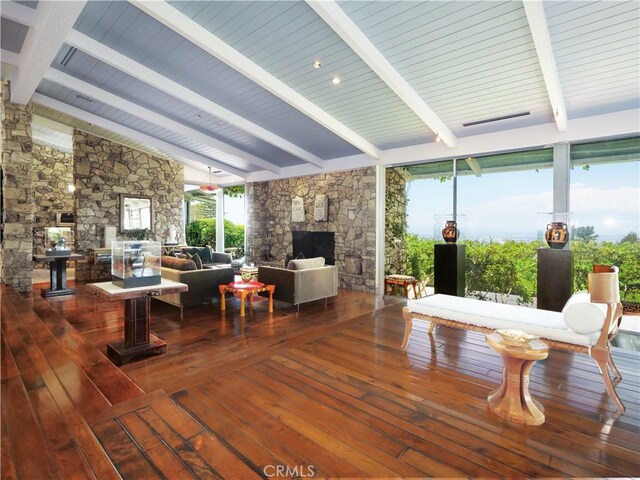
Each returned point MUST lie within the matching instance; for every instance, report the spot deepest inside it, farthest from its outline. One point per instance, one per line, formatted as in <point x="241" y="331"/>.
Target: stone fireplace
<point x="350" y="217"/>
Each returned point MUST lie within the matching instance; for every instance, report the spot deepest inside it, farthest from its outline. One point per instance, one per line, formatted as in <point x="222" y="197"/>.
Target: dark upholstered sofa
<point x="203" y="284"/>
<point x="208" y="256"/>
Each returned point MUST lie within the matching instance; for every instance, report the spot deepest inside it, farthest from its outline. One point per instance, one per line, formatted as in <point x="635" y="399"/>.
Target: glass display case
<point x="448" y="228"/>
<point x="554" y="229"/>
<point x="135" y="263"/>
<point x="58" y="241"/>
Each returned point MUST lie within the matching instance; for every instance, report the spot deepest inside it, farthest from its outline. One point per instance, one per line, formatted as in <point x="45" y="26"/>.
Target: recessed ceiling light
<point x="335" y="80"/>
<point x="317" y="64"/>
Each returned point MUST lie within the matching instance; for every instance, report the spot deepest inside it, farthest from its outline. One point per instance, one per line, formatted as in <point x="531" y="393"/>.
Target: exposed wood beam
<point x="10" y="58"/>
<point x="153" y="78"/>
<point x="168" y="148"/>
<point x="474" y="166"/>
<point x="42" y="43"/>
<point x="340" y="22"/>
<point x="542" y="40"/>
<point x="139" y="111"/>
<point x="18" y="13"/>
<point x="203" y="38"/>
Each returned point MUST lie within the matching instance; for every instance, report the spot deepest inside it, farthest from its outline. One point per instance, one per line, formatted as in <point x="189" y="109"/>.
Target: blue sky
<point x="506" y="205"/>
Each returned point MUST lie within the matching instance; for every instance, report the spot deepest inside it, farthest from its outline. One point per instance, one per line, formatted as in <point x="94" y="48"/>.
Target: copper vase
<point x="450" y="231"/>
<point x="557" y="235"/>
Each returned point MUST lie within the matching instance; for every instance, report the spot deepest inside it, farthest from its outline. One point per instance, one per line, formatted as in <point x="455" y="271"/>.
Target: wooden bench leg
<point x="407" y="333"/>
<point x="603" y="366"/>
<point x="614" y="369"/>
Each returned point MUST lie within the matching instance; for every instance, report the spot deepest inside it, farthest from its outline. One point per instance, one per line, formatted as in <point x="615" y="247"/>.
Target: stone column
<point x="396" y="222"/>
<point x="17" y="194"/>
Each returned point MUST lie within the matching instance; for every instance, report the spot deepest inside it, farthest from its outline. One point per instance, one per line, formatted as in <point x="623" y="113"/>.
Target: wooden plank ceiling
<point x="239" y="77"/>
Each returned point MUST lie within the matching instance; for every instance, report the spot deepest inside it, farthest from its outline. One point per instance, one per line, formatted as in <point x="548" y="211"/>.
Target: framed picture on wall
<point x="65" y="219"/>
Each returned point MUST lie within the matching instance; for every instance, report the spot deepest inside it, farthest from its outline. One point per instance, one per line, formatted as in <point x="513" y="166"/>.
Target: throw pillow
<point x="181" y="264"/>
<point x="172" y="254"/>
<point x="305" y="263"/>
<point x="198" y="261"/>
<point x="203" y="252"/>
<point x="582" y="316"/>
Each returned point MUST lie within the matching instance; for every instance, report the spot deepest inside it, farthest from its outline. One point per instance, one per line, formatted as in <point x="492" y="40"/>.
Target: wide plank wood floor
<point x="325" y="392"/>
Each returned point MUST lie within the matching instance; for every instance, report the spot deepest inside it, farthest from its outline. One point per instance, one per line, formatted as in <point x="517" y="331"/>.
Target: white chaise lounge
<point x="586" y="324"/>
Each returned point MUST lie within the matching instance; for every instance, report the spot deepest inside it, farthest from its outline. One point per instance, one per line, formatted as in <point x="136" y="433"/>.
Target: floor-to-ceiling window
<point x="605" y="196"/>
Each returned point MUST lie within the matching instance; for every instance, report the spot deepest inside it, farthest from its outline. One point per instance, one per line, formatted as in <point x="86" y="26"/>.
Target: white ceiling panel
<point x="123" y="27"/>
<point x="96" y="107"/>
<point x="285" y="38"/>
<point x="87" y="68"/>
<point x="12" y="35"/>
<point x="598" y="54"/>
<point x="468" y="60"/>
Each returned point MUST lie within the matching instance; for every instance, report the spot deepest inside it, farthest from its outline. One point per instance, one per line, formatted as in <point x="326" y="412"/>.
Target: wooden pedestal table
<point x="57" y="273"/>
<point x="244" y="290"/>
<point x="138" y="339"/>
<point x="512" y="400"/>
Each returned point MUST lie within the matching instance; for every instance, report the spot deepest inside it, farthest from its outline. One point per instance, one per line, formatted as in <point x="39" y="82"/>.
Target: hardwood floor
<point x="324" y="393"/>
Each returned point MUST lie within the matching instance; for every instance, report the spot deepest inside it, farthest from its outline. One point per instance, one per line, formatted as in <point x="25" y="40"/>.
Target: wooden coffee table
<point x="512" y="400"/>
<point x="244" y="290"/>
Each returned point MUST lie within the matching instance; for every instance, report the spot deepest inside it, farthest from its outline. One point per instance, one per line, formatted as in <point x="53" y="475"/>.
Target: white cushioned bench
<point x="586" y="325"/>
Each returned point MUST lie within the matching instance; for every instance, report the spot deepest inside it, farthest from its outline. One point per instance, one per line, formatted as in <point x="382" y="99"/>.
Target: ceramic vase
<point x="450" y="231"/>
<point x="557" y="235"/>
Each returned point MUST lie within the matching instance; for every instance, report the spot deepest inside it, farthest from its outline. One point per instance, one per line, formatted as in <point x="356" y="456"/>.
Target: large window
<point x="605" y="195"/>
<point x="605" y="189"/>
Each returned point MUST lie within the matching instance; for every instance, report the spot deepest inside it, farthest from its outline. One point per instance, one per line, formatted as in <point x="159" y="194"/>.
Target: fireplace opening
<point x="314" y="244"/>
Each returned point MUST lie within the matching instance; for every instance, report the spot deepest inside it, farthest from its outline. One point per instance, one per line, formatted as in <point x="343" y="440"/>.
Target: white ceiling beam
<point x="203" y="38"/>
<point x="41" y="45"/>
<point x="49" y="139"/>
<point x="52" y="124"/>
<point x="153" y="78"/>
<point x="139" y="111"/>
<point x="18" y="13"/>
<point x="542" y="40"/>
<point x="474" y="166"/>
<point x="168" y="148"/>
<point x="610" y="125"/>
<point x="340" y="22"/>
<point x="10" y="58"/>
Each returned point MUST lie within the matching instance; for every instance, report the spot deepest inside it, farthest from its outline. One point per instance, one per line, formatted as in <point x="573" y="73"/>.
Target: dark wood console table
<point x="57" y="273"/>
<point x="138" y="339"/>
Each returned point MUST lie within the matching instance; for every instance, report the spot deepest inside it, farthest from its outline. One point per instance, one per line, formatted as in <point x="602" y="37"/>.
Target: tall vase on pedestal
<point x="450" y="232"/>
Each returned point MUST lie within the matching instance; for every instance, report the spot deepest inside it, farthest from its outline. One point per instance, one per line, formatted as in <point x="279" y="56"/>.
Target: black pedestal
<point x="448" y="269"/>
<point x="58" y="279"/>
<point x="555" y="278"/>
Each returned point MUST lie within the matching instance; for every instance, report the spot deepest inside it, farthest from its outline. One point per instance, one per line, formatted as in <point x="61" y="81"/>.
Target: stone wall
<point x="351" y="216"/>
<point x="52" y="172"/>
<point x="395" y="221"/>
<point x="17" y="194"/>
<point x="103" y="170"/>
